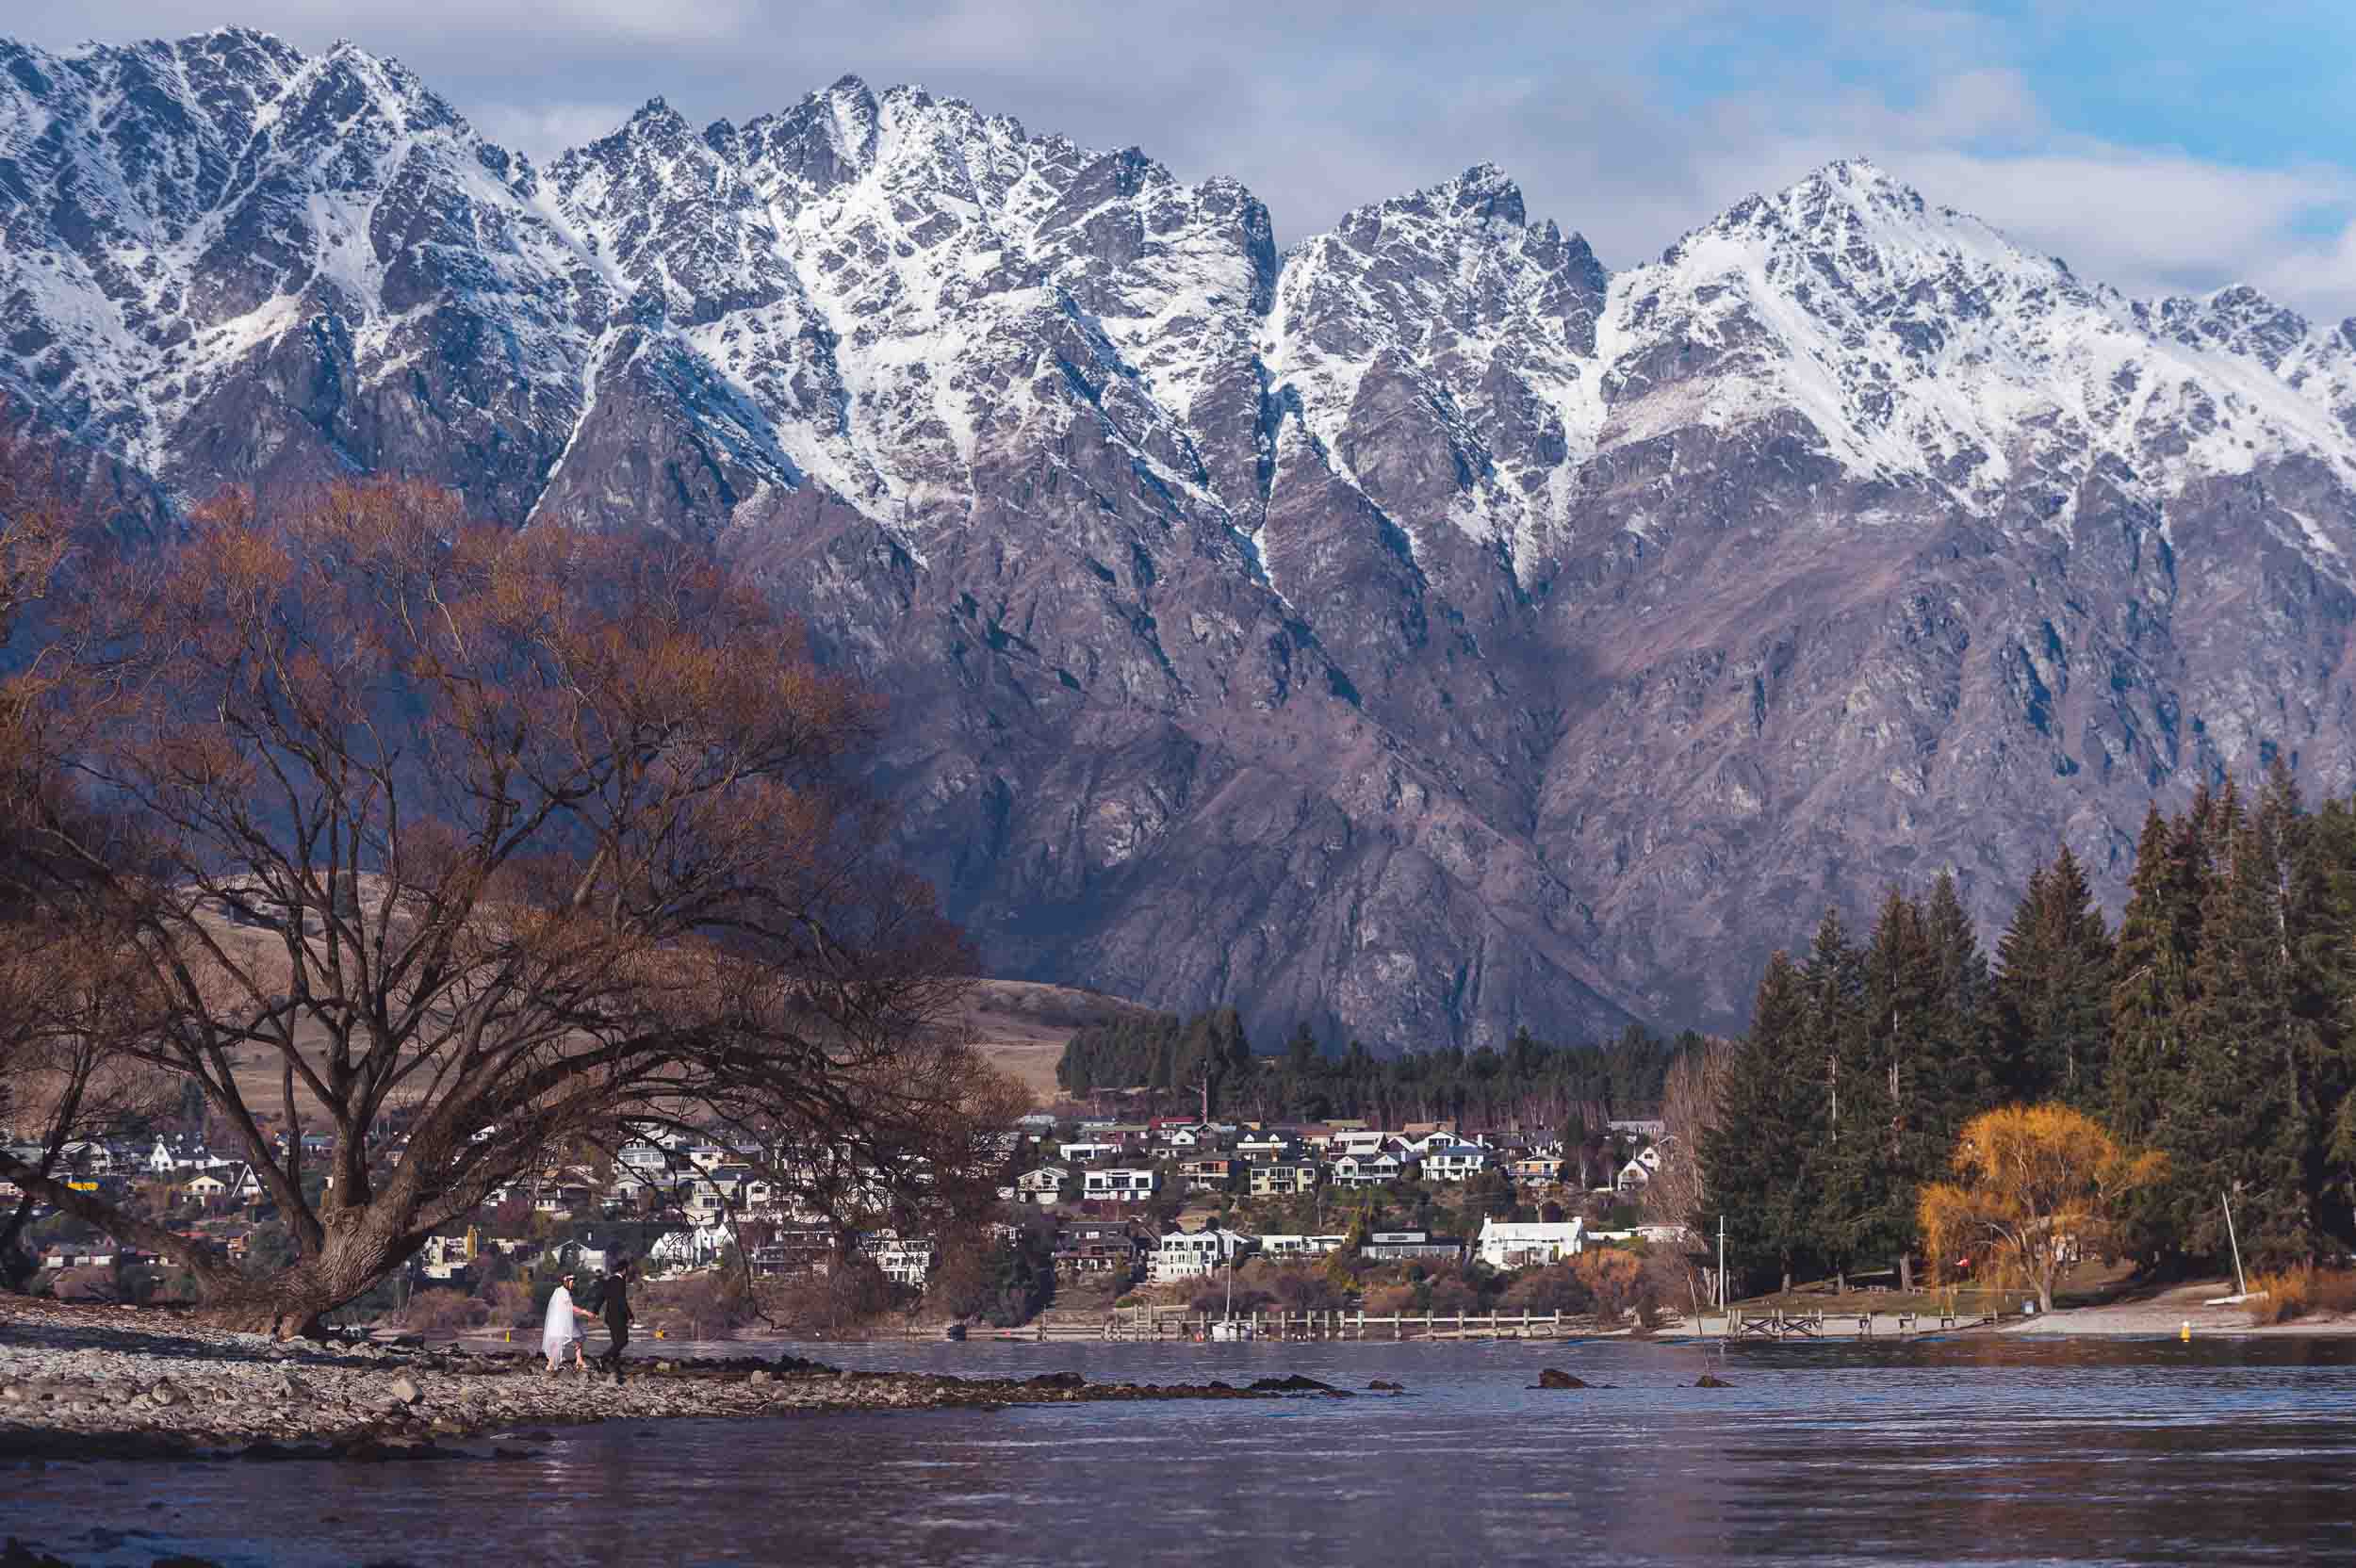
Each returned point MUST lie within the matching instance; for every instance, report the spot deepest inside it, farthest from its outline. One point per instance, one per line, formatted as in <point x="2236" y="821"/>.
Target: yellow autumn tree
<point x="2035" y="1185"/>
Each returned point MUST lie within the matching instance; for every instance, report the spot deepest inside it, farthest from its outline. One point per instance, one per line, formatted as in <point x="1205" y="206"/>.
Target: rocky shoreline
<point x="120" y="1382"/>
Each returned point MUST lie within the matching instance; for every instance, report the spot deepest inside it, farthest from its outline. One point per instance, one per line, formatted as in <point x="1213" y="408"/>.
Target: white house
<point x="1292" y="1246"/>
<point x="1526" y="1246"/>
<point x="644" y="1155"/>
<point x="1087" y="1153"/>
<point x="1412" y="1247"/>
<point x="444" y="1256"/>
<point x="1043" y="1186"/>
<point x="230" y="1184"/>
<point x="1187" y="1254"/>
<point x="1361" y="1140"/>
<point x="692" y="1248"/>
<point x="1119" y="1185"/>
<point x="1367" y="1170"/>
<point x="1637" y="1173"/>
<point x="1455" y="1162"/>
<point x="908" y="1262"/>
<point x="1265" y="1148"/>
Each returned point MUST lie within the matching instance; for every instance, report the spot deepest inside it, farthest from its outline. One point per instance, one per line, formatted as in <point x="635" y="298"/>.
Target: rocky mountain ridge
<point x="1420" y="631"/>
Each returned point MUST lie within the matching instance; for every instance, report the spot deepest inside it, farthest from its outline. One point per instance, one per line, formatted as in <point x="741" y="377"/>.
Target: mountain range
<point x="1418" y="630"/>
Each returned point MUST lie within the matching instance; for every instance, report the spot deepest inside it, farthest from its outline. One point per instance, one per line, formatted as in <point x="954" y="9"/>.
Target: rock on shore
<point x="130" y="1382"/>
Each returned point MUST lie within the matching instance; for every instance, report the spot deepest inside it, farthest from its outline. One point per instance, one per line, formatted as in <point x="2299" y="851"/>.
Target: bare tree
<point x="1688" y="1108"/>
<point x="523" y="834"/>
<point x="61" y="1011"/>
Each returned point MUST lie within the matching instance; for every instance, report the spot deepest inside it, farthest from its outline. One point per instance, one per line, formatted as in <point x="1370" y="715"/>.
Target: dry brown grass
<point x="2291" y="1294"/>
<point x="1021" y="1027"/>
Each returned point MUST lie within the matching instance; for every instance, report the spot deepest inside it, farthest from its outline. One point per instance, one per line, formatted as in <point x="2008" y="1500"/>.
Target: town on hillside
<point x="1089" y="1213"/>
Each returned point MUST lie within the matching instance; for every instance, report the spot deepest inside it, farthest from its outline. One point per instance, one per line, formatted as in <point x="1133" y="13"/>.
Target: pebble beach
<point x="128" y="1383"/>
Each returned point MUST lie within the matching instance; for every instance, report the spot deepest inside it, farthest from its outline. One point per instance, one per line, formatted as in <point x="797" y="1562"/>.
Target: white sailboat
<point x="1230" y="1329"/>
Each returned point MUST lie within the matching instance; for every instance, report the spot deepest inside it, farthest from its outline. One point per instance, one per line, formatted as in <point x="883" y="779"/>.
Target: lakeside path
<point x="128" y="1383"/>
<point x="2168" y="1313"/>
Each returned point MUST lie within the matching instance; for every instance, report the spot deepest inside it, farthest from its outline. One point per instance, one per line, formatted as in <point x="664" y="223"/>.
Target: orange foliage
<point x="1612" y="1277"/>
<point x="2038" y="1184"/>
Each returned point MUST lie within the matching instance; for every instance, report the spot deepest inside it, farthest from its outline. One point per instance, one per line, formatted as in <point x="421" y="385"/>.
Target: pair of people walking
<point x="609" y="1299"/>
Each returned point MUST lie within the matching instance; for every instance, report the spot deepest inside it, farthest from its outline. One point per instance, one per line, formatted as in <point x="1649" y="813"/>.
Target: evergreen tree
<point x="2052" y="991"/>
<point x="2242" y="1123"/>
<point x="1768" y="1125"/>
<point x="2317" y="859"/>
<point x="1834" y="987"/>
<point x="1965" y="1003"/>
<point x="2323" y="883"/>
<point x="2159" y="940"/>
<point x="1871" y="1162"/>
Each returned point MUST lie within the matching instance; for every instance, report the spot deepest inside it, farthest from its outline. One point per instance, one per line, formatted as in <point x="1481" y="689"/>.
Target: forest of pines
<point x="2213" y="1026"/>
<point x="2217" y="1025"/>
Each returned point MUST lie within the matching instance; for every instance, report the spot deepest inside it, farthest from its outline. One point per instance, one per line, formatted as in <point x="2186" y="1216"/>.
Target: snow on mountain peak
<point x="897" y="280"/>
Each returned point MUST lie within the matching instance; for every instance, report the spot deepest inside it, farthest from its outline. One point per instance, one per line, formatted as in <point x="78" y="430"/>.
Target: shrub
<point x="2293" y="1292"/>
<point x="1612" y="1277"/>
<point x="1555" y="1288"/>
<point x="512" y="1304"/>
<point x="443" y="1311"/>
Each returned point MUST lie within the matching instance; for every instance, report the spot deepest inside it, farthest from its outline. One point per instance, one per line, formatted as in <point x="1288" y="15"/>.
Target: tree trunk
<point x="1905" y="1272"/>
<point x="290" y="1304"/>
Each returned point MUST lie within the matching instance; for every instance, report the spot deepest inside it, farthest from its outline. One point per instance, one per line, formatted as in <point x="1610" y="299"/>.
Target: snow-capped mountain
<point x="1422" y="630"/>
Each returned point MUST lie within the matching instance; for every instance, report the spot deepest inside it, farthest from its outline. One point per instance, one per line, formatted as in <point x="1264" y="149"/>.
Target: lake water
<point x="2220" y="1452"/>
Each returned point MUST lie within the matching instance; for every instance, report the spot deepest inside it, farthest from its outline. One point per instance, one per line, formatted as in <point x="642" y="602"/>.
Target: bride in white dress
<point x="560" y="1329"/>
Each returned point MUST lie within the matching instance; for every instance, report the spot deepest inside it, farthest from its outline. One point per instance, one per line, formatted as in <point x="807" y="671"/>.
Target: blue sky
<point x="2159" y="147"/>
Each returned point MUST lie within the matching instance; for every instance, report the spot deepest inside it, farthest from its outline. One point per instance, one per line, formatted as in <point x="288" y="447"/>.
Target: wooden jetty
<point x="1778" y="1325"/>
<point x="1180" y="1324"/>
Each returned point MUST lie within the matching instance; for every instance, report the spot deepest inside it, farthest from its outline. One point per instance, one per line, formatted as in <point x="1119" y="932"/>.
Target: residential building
<point x="1537" y="1171"/>
<point x="908" y="1262"/>
<point x="1297" y="1247"/>
<point x="1506" y="1245"/>
<point x="1093" y="1247"/>
<point x="1369" y="1170"/>
<point x="1284" y="1178"/>
<point x="1092" y="1153"/>
<point x="1119" y="1185"/>
<point x="1210" y="1174"/>
<point x="1187" y="1254"/>
<point x="1412" y="1247"/>
<point x="1637" y="1173"/>
<point x="1044" y="1185"/>
<point x="1265" y="1148"/>
<point x="1455" y="1162"/>
<point x="444" y="1256"/>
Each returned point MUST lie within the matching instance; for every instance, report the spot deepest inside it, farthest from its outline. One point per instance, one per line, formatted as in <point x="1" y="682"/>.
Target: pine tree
<point x="1833" y="983"/>
<point x="1966" y="1005"/>
<point x="2159" y="941"/>
<point x="1880" y="1152"/>
<point x="2323" y="894"/>
<point x="2052" y="990"/>
<point x="2242" y="1123"/>
<point x="1769" y="1123"/>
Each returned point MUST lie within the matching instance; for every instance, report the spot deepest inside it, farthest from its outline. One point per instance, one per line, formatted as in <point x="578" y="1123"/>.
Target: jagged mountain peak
<point x="1515" y="641"/>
